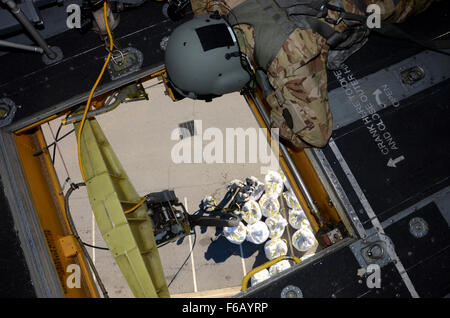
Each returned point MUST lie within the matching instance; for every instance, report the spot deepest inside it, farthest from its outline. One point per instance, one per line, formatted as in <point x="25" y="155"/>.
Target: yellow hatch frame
<point x="129" y="236"/>
<point x="48" y="201"/>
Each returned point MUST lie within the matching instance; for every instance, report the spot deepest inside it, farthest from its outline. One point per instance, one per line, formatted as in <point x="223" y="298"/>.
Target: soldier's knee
<point x="318" y="138"/>
<point x="318" y="135"/>
<point x="322" y="142"/>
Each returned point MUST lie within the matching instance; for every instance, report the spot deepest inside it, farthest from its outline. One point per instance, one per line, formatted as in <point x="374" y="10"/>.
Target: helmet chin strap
<point x="248" y="65"/>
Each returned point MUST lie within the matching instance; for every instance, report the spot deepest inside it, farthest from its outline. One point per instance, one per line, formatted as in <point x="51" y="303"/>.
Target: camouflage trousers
<point x="298" y="72"/>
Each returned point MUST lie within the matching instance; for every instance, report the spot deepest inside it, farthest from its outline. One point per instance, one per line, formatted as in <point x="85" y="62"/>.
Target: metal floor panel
<point x="426" y="258"/>
<point x="334" y="275"/>
<point x="43" y="90"/>
<point x="419" y="127"/>
<point x="381" y="52"/>
<point x="401" y="156"/>
<point x="15" y="280"/>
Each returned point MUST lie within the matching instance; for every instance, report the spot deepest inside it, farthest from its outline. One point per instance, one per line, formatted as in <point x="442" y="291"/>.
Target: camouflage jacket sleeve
<point x="298" y="75"/>
<point x="299" y="78"/>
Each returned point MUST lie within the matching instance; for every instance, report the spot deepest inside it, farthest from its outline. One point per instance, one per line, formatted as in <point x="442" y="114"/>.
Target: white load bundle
<point x="274" y="184"/>
<point x="275" y="248"/>
<point x="303" y="239"/>
<point x="283" y="177"/>
<point x="257" y="233"/>
<point x="273" y="176"/>
<point x="273" y="189"/>
<point x="279" y="267"/>
<point x="276" y="225"/>
<point x="251" y="212"/>
<point x="291" y="200"/>
<point x="235" y="234"/>
<point x="269" y="206"/>
<point x="297" y="218"/>
<point x="259" y="277"/>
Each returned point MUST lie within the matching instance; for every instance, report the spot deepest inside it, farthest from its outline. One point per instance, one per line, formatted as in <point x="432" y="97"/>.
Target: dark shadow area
<point x="15" y="281"/>
<point x="249" y="249"/>
<point x="221" y="249"/>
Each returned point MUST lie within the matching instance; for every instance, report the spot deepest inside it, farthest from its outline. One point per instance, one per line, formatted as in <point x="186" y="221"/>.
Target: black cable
<point x="57" y="134"/>
<point x="97" y="247"/>
<point x="73" y="187"/>
<point x="64" y="136"/>
<point x="56" y="140"/>
<point x="187" y="258"/>
<point x="53" y="144"/>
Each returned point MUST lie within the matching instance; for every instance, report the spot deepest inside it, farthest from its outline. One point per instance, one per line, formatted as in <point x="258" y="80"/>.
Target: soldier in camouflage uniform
<point x="298" y="72"/>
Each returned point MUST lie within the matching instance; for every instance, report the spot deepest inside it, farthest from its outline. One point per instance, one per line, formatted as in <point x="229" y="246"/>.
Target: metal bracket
<point x="128" y="61"/>
<point x="291" y="291"/>
<point x="7" y="111"/>
<point x="58" y="56"/>
<point x="372" y="250"/>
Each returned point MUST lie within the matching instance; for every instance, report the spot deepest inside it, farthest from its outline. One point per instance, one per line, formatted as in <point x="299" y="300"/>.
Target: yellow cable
<point x="264" y="266"/>
<point x="88" y="103"/>
<point x="136" y="206"/>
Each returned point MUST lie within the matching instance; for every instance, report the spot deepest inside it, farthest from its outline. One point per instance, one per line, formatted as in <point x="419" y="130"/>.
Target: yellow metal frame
<point x="48" y="202"/>
<point x="129" y="237"/>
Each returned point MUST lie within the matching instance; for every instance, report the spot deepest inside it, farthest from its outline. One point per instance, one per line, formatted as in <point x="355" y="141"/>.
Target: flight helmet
<point x="203" y="59"/>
